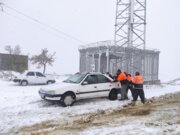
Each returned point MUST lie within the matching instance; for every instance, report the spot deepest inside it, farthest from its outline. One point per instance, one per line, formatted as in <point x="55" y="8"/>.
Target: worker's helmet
<point x="137" y="73"/>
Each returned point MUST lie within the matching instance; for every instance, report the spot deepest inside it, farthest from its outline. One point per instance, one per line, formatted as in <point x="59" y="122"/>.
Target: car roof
<point x="27" y="71"/>
<point x="99" y="73"/>
<point x="92" y="73"/>
<point x="32" y="71"/>
<point x="96" y="73"/>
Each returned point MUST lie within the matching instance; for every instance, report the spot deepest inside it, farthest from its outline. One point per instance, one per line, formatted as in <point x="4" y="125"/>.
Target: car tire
<point x="49" y="82"/>
<point x="24" y="83"/>
<point x="68" y="99"/>
<point x="113" y="94"/>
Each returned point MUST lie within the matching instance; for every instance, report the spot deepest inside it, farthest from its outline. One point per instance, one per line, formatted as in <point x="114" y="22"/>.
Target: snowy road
<point x="21" y="106"/>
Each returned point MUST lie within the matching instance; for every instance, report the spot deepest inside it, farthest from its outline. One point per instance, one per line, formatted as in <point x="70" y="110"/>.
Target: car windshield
<point x="23" y="73"/>
<point x="76" y="78"/>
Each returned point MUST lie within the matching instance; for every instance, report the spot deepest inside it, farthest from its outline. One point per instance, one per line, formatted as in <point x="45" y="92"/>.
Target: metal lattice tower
<point x="130" y="26"/>
<point x="128" y="51"/>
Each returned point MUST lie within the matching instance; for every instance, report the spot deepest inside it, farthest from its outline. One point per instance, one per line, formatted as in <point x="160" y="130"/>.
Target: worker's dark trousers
<point x="123" y="91"/>
<point x="140" y="93"/>
<point x="129" y="87"/>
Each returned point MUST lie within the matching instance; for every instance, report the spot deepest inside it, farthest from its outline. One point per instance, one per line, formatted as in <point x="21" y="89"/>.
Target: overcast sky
<point x="89" y="21"/>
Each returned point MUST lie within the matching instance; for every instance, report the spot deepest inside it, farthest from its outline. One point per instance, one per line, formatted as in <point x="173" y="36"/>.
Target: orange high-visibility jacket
<point x="138" y="79"/>
<point x="128" y="77"/>
<point x="122" y="76"/>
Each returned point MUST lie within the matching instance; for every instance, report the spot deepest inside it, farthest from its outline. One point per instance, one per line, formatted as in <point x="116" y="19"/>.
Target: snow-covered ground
<point x="21" y="106"/>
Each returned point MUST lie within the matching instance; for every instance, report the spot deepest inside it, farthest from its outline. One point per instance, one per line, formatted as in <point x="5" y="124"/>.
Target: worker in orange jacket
<point x="137" y="82"/>
<point x="123" y="79"/>
<point x="129" y="84"/>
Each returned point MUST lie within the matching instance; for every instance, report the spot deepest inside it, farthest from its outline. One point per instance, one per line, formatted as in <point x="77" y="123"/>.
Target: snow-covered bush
<point x="8" y="75"/>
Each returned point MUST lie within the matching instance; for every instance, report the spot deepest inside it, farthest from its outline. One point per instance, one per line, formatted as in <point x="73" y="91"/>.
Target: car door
<point x="88" y="87"/>
<point x="104" y="86"/>
<point x="40" y="78"/>
<point x="30" y="77"/>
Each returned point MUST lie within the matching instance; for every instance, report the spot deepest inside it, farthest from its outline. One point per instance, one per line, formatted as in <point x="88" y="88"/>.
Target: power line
<point x="31" y="23"/>
<point x="42" y="23"/>
<point x="22" y="19"/>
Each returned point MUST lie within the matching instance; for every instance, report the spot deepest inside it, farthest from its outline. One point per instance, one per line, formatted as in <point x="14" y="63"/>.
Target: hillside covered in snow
<point x="22" y="107"/>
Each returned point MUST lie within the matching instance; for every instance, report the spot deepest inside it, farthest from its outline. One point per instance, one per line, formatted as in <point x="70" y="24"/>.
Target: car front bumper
<point x="17" y="80"/>
<point x="48" y="96"/>
<point x="53" y="81"/>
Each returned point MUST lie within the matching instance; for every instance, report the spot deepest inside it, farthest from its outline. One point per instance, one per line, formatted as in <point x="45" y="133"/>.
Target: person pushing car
<point x="123" y="79"/>
<point x="137" y="82"/>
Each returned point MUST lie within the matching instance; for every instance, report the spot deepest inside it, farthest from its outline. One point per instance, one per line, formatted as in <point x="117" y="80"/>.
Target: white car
<point x="31" y="77"/>
<point x="81" y="86"/>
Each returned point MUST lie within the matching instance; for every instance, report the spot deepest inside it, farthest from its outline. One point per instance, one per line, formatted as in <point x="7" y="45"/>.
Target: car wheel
<point x="68" y="99"/>
<point x="113" y="95"/>
<point x="24" y="83"/>
<point x="49" y="82"/>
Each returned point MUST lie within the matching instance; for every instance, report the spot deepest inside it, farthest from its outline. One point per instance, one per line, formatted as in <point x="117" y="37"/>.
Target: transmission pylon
<point x="130" y="25"/>
<point x="130" y="28"/>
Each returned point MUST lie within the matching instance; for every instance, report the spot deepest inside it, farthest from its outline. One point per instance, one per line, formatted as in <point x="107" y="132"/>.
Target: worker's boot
<point x="133" y="103"/>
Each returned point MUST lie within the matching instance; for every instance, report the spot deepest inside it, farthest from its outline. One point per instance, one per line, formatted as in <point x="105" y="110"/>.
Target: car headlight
<point x="51" y="92"/>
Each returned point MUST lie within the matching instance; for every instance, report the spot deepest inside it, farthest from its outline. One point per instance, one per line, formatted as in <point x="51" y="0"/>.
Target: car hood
<point x="60" y="87"/>
<point x="20" y="76"/>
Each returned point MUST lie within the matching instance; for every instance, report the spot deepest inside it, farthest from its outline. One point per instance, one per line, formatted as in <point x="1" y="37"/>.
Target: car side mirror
<point x="84" y="83"/>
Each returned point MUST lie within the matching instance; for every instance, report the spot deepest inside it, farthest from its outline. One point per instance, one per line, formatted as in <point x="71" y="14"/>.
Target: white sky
<point x="89" y="21"/>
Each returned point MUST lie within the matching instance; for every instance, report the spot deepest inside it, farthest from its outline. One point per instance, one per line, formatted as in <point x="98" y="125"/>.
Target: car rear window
<point x="30" y="74"/>
<point x="39" y="74"/>
<point x="102" y="79"/>
<point x="91" y="79"/>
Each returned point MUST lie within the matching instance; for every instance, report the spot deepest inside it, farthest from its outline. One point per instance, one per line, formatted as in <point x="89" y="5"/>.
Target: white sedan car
<point x="81" y="86"/>
<point x="31" y="77"/>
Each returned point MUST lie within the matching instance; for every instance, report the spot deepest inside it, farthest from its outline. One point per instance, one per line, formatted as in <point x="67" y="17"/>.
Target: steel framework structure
<point x="106" y="57"/>
<point x="128" y="50"/>
<point x="130" y="29"/>
<point x="130" y="25"/>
